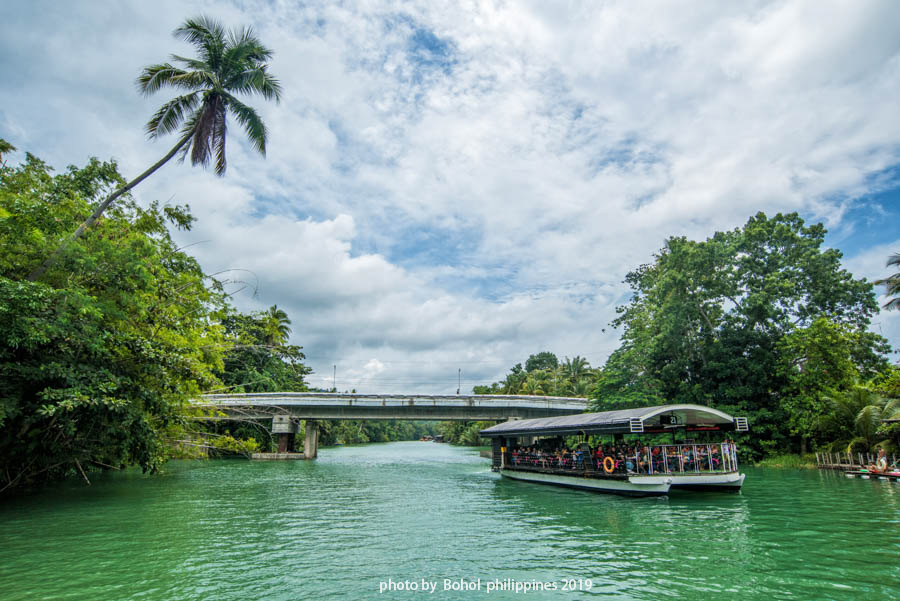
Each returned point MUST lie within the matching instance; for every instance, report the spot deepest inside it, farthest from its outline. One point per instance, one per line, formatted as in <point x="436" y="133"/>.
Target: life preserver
<point x="609" y="465"/>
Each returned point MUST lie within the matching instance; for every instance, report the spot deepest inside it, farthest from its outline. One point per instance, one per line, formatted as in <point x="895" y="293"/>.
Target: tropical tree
<point x="575" y="368"/>
<point x="892" y="283"/>
<point x="277" y="326"/>
<point x="5" y="148"/>
<point x="708" y="321"/>
<point x="97" y="364"/>
<point x="542" y="360"/>
<point x="228" y="63"/>
<point x="870" y="422"/>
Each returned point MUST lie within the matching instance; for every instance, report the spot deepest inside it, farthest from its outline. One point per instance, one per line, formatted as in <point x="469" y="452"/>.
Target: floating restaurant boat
<point x="522" y="450"/>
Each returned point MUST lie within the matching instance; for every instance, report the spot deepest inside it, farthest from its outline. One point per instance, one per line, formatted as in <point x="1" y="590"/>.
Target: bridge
<point x="287" y="409"/>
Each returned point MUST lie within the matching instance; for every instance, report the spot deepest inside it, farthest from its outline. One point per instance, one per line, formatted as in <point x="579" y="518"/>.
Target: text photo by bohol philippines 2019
<point x="495" y="301"/>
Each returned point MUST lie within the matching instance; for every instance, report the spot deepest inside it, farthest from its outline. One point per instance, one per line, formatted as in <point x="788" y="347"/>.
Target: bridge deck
<point x="319" y="405"/>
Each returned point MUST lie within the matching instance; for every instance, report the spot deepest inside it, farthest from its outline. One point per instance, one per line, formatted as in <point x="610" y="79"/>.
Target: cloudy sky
<point x="450" y="187"/>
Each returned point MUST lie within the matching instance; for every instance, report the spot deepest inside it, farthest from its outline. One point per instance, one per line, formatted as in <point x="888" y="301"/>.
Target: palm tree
<point x="229" y="63"/>
<point x="892" y="283"/>
<point x="857" y="416"/>
<point x="575" y="368"/>
<point x="277" y="322"/>
<point x="5" y="148"/>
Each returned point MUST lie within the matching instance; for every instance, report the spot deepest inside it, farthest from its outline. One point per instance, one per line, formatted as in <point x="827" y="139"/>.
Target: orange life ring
<point x="609" y="465"/>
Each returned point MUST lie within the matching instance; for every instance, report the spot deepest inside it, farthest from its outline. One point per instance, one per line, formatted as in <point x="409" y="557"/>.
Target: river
<point x="342" y="526"/>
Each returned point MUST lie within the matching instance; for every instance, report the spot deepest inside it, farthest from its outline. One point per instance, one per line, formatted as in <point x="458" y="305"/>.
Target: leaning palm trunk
<point x="229" y="63"/>
<point x="52" y="259"/>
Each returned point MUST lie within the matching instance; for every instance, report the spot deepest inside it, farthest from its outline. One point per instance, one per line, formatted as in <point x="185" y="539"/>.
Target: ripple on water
<point x="335" y="528"/>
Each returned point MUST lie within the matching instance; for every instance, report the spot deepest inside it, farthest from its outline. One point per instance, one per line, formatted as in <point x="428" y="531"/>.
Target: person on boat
<point x="880" y="464"/>
<point x="688" y="458"/>
<point x="658" y="460"/>
<point x="703" y="459"/>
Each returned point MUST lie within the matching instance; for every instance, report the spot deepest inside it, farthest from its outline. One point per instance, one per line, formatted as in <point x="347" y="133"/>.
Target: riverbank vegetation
<point x="98" y="357"/>
<point x="543" y="375"/>
<point x="762" y="322"/>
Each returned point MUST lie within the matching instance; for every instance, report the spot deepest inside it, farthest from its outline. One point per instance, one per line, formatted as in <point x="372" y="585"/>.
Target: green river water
<point x="339" y="527"/>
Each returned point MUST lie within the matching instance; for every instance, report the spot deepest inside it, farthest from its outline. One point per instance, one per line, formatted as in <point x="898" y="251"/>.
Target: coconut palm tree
<point x="575" y="368"/>
<point x="892" y="283"/>
<point x="5" y="148"/>
<point x="228" y="63"/>
<point x="277" y="322"/>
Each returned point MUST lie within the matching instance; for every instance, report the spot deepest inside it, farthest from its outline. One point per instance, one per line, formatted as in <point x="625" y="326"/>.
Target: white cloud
<point x="479" y="197"/>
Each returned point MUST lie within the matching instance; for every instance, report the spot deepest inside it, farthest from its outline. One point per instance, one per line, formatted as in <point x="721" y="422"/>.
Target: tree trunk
<point x="803" y="445"/>
<point x="39" y="271"/>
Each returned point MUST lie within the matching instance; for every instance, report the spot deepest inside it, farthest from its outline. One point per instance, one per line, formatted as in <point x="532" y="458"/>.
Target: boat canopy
<point x="662" y="418"/>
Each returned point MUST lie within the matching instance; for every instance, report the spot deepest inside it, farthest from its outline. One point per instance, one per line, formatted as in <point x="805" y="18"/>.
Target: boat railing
<point x="715" y="458"/>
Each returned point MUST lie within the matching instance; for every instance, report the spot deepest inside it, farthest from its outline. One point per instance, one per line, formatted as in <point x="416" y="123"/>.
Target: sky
<point x="450" y="187"/>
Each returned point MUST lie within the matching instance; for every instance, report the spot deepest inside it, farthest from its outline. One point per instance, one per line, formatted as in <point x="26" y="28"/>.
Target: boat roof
<point x="660" y="419"/>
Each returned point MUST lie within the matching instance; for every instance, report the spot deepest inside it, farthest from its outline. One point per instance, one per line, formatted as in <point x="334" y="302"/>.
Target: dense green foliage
<point x="259" y="358"/>
<point x="892" y="283"/>
<point x="362" y="431"/>
<point x="760" y="322"/>
<point x="544" y="375"/>
<point x="97" y="359"/>
<point x="463" y="433"/>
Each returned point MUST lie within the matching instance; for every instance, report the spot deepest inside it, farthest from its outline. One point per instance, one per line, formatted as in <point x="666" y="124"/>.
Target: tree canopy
<point x="96" y="360"/>
<point x="741" y="321"/>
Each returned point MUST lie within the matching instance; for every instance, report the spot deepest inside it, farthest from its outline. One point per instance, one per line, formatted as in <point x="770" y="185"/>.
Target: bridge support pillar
<point x="311" y="440"/>
<point x="285" y="431"/>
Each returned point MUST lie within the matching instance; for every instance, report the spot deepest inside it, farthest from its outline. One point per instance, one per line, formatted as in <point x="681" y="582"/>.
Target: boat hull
<point x="634" y="486"/>
<point x="708" y="482"/>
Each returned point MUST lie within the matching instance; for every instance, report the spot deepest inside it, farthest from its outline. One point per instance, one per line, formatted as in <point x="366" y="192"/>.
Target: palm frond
<point x="250" y="121"/>
<point x="243" y="46"/>
<point x="187" y="131"/>
<point x="255" y="80"/>
<point x="154" y="77"/>
<point x="171" y="115"/>
<point x="200" y="143"/>
<point x="207" y="35"/>
<point x="190" y="63"/>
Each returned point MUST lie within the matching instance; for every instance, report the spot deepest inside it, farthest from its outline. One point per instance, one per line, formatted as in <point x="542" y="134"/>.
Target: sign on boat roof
<point x="623" y="421"/>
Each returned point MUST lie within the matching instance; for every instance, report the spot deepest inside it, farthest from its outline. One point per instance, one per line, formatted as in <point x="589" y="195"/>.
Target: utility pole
<point x="458" y="380"/>
<point x="334" y="379"/>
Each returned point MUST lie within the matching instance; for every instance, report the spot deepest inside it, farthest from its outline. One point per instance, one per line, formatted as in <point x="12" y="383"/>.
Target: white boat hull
<point x="638" y="486"/>
<point x="709" y="482"/>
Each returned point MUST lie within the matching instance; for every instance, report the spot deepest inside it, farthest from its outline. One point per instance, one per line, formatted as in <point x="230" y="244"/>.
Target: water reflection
<point x="335" y="528"/>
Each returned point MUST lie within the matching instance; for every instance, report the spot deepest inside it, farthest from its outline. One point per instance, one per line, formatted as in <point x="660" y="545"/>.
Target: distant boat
<point x="438" y="438"/>
<point x="427" y="438"/>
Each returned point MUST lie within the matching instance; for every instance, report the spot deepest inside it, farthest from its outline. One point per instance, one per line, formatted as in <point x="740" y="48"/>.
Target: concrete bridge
<point x="287" y="409"/>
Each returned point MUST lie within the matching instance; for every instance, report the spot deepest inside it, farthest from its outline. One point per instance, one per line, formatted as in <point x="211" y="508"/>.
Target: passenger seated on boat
<point x="703" y="458"/>
<point x="579" y="459"/>
<point x="880" y="464"/>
